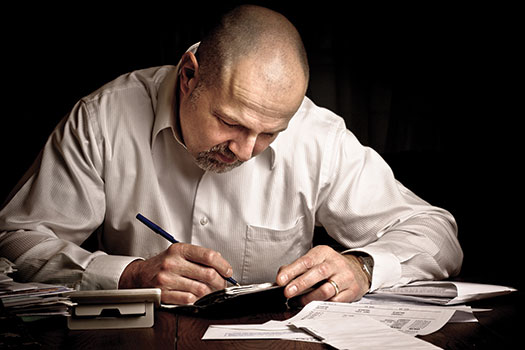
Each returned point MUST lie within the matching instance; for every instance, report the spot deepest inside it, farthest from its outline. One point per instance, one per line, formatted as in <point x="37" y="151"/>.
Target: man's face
<point x="236" y="119"/>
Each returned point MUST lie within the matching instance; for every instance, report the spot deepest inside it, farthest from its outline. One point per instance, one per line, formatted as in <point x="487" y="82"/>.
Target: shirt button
<point x="204" y="221"/>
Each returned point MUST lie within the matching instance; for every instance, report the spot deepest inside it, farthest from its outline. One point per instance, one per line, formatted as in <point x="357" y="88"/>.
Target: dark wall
<point x="430" y="87"/>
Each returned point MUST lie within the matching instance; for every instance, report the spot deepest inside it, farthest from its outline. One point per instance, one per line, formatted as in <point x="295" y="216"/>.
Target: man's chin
<point x="225" y="168"/>
<point x="216" y="166"/>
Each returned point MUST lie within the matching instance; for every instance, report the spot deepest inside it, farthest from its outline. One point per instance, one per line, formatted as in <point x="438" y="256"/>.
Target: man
<point x="226" y="153"/>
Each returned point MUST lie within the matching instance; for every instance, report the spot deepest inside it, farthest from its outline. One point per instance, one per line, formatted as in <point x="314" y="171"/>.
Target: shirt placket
<point x="202" y="212"/>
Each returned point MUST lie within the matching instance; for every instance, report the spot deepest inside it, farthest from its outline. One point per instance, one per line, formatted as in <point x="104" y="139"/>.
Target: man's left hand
<point x="322" y="263"/>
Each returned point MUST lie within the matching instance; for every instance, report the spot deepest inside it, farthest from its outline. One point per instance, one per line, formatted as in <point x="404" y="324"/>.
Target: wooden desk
<point x="496" y="329"/>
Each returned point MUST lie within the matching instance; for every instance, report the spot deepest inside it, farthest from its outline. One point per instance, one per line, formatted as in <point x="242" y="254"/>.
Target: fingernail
<point x="283" y="279"/>
<point x="292" y="290"/>
<point x="229" y="272"/>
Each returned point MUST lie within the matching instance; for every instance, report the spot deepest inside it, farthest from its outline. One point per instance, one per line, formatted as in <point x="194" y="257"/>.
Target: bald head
<point x="241" y="89"/>
<point x="260" y="35"/>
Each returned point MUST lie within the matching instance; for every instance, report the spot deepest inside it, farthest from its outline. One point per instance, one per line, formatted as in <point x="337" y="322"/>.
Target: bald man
<point x="226" y="153"/>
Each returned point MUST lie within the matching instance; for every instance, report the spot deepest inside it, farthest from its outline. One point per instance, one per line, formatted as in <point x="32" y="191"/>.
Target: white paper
<point x="409" y="319"/>
<point x="462" y="313"/>
<point x="361" y="332"/>
<point x="24" y="299"/>
<point x="398" y="310"/>
<point x="4" y="279"/>
<point x="249" y="331"/>
<point x="444" y="292"/>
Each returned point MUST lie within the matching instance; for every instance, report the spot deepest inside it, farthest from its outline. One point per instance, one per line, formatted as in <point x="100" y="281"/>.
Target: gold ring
<point x="335" y="286"/>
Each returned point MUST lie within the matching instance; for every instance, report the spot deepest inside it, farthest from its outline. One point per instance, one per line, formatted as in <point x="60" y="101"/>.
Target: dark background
<point x="433" y="88"/>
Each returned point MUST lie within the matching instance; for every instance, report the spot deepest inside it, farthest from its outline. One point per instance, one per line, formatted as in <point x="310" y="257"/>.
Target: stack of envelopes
<point x="31" y="299"/>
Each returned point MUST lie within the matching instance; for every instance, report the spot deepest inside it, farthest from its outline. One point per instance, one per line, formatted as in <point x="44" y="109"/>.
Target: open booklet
<point x="231" y="300"/>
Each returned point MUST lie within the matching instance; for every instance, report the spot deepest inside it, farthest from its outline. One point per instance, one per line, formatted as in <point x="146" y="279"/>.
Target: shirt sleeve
<point x="57" y="206"/>
<point x="366" y="209"/>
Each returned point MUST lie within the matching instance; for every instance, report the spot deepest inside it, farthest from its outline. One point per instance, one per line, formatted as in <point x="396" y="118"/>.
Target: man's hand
<point x="322" y="263"/>
<point x="184" y="272"/>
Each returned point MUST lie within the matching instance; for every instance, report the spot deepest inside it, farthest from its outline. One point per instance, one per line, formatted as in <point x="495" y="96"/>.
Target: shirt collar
<point x="166" y="111"/>
<point x="273" y="152"/>
<point x="282" y="142"/>
<point x="167" y="114"/>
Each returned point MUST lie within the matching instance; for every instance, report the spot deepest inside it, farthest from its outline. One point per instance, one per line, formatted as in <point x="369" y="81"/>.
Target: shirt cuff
<point x="104" y="271"/>
<point x="387" y="268"/>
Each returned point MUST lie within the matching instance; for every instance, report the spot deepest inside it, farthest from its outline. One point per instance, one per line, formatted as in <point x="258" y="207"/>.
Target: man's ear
<point x="189" y="73"/>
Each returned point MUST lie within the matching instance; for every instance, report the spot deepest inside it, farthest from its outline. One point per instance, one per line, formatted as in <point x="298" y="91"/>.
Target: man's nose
<point x="243" y="145"/>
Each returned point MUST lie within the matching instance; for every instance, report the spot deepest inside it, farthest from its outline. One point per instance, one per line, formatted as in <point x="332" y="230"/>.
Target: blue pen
<point x="157" y="229"/>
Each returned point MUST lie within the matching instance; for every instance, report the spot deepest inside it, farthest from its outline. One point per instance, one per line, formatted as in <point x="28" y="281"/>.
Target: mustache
<point x="220" y="148"/>
<point x="208" y="162"/>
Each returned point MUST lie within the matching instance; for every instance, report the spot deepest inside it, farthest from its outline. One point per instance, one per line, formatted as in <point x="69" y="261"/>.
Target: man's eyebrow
<point x="228" y="118"/>
<point x="223" y="115"/>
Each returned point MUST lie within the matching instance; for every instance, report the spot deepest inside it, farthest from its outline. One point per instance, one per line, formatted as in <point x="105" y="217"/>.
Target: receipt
<point x="409" y="319"/>
<point x="361" y="332"/>
<point x="406" y="320"/>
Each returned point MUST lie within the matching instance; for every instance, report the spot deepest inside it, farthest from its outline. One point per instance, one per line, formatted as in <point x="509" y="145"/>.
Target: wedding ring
<point x="335" y="286"/>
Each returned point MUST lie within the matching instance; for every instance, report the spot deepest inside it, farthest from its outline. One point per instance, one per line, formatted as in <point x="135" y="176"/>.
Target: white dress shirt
<point x="117" y="154"/>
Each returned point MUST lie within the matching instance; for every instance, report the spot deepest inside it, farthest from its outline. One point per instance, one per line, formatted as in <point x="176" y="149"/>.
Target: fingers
<point x="205" y="257"/>
<point x="198" y="264"/>
<point x="183" y="272"/>
<point x="326" y="291"/>
<point x="306" y="271"/>
<point x="308" y="277"/>
<point x="298" y="267"/>
<point x="184" y="291"/>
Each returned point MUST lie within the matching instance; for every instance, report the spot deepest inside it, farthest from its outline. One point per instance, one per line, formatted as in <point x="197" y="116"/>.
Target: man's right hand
<point x="183" y="272"/>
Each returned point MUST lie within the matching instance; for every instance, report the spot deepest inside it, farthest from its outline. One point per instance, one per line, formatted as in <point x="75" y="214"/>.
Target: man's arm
<point x="366" y="210"/>
<point x="60" y="204"/>
<point x="63" y="201"/>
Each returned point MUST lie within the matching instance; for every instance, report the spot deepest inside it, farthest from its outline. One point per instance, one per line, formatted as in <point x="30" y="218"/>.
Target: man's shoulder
<point x="315" y="122"/>
<point x="126" y="106"/>
<point x="139" y="83"/>
<point x="312" y="134"/>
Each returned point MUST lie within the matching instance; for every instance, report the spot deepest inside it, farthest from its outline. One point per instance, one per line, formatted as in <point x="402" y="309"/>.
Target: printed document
<point x="361" y="332"/>
<point x="377" y="324"/>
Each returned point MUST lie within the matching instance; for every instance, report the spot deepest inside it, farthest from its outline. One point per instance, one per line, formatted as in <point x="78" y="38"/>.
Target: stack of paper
<point x="388" y="319"/>
<point x="443" y="292"/>
<point x="370" y="326"/>
<point x="31" y="299"/>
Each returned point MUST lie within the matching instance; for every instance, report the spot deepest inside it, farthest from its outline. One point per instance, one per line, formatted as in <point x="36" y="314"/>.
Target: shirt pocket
<point x="267" y="249"/>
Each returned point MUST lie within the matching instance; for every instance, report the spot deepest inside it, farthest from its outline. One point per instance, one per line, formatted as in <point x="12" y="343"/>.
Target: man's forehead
<point x="270" y="72"/>
<point x="272" y="102"/>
